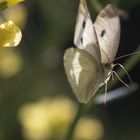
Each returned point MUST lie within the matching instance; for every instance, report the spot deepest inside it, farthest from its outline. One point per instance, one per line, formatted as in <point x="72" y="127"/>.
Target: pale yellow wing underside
<point x="81" y="70"/>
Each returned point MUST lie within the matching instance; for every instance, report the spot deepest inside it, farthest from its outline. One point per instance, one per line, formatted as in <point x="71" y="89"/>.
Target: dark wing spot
<point x="84" y="24"/>
<point x="103" y="33"/>
<point x="81" y="39"/>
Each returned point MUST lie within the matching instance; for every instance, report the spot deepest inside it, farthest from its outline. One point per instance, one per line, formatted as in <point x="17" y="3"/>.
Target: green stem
<point x="129" y="64"/>
<point x="75" y="121"/>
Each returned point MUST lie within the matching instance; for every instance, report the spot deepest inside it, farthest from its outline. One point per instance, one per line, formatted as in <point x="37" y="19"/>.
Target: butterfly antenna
<point x="126" y="55"/>
<point x="125" y="71"/>
<point x="121" y="79"/>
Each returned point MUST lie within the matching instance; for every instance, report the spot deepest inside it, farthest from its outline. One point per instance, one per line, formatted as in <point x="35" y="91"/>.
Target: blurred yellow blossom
<point x="18" y="14"/>
<point x="88" y="129"/>
<point x="47" y="119"/>
<point x="10" y="34"/>
<point x="11" y="2"/>
<point x="10" y="62"/>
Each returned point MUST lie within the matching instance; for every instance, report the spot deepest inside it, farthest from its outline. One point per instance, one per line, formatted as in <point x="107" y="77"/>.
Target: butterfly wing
<point x="85" y="37"/>
<point x="107" y="26"/>
<point x="81" y="71"/>
<point x="83" y="65"/>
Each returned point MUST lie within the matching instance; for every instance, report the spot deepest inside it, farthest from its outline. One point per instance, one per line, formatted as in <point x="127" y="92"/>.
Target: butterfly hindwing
<point x="81" y="70"/>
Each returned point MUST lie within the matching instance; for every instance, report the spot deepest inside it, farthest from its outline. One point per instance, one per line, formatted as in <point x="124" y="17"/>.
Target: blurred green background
<point x="36" y="101"/>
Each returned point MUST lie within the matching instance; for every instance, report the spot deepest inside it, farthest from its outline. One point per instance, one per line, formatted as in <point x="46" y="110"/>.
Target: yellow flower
<point x="10" y="34"/>
<point x="11" y="62"/>
<point x="11" y="2"/>
<point x="47" y="119"/>
<point x="88" y="129"/>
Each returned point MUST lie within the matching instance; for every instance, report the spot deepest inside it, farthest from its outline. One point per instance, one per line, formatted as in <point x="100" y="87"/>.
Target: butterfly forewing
<point x="107" y="26"/>
<point x="85" y="34"/>
<point x="81" y="70"/>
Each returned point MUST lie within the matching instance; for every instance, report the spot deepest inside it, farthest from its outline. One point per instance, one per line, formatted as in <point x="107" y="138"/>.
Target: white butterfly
<point x="89" y="66"/>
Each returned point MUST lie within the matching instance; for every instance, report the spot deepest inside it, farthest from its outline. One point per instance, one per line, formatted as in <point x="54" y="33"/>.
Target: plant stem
<point x="75" y="121"/>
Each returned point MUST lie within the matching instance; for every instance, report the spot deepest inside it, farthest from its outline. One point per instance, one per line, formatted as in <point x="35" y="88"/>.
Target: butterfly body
<point x="89" y="66"/>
